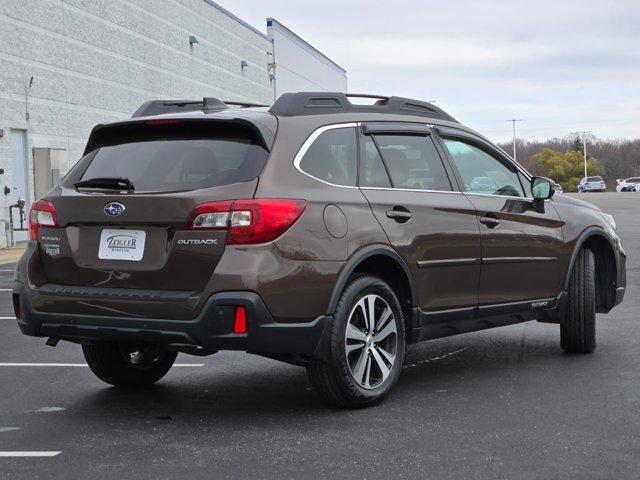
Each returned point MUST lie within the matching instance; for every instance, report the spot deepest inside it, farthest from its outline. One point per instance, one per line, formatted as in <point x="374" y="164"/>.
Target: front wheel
<point x="126" y="365"/>
<point x="367" y="346"/>
<point x="578" y="328"/>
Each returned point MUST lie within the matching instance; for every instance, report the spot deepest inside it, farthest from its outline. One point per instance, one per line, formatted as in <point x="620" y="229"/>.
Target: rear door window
<point x="372" y="170"/>
<point x="413" y="162"/>
<point x="333" y="157"/>
<point x="164" y="158"/>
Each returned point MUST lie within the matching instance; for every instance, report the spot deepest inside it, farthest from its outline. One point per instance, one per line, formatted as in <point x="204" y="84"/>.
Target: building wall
<point x="96" y="61"/>
<point x="299" y="66"/>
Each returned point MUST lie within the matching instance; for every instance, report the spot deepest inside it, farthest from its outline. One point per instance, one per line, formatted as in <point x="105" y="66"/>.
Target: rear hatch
<point x="133" y="228"/>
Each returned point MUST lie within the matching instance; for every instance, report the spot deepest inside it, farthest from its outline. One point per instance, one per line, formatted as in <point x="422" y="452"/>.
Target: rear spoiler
<point x="206" y="105"/>
<point x="114" y="133"/>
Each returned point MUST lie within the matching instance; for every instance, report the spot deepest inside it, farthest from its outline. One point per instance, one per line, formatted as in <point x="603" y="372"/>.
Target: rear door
<point x="140" y="239"/>
<point x="430" y="224"/>
<point x="520" y="242"/>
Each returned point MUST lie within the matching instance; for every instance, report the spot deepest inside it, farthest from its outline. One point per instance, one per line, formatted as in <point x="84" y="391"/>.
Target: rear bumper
<point x="211" y="330"/>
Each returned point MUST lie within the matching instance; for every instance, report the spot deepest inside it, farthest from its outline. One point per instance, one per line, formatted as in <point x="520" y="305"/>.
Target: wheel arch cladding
<point x="606" y="263"/>
<point x="382" y="262"/>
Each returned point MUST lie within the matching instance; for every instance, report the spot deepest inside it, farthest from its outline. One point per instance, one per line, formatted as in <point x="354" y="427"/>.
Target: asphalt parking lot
<point x="504" y="403"/>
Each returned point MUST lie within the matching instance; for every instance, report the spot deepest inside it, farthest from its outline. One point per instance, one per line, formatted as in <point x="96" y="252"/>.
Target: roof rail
<point x="207" y="104"/>
<point x="318" y="103"/>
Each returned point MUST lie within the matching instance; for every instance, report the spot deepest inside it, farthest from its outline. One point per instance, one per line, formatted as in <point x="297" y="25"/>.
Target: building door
<point x="20" y="183"/>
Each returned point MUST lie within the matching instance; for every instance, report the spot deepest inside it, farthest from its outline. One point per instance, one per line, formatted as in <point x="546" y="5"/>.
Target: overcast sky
<point x="561" y="66"/>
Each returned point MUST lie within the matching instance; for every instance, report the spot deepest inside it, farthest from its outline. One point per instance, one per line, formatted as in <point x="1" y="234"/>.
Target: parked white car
<point x="627" y="185"/>
<point x="557" y="187"/>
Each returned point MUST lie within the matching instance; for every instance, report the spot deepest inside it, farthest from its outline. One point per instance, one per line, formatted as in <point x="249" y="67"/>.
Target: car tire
<point x="128" y="366"/>
<point x="354" y="375"/>
<point x="578" y="328"/>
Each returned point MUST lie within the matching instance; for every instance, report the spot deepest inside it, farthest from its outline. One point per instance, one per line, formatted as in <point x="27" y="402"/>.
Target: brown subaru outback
<point x="322" y="232"/>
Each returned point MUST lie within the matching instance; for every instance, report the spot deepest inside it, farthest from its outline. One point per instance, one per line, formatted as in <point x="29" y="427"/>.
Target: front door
<point x="520" y="241"/>
<point x="432" y="226"/>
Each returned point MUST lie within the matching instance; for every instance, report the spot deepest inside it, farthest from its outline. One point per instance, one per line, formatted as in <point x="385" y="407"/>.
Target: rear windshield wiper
<point x="108" y="183"/>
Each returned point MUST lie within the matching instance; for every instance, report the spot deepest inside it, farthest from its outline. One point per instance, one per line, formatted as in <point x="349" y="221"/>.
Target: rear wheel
<point x="578" y="328"/>
<point x="367" y="346"/>
<point x="127" y="365"/>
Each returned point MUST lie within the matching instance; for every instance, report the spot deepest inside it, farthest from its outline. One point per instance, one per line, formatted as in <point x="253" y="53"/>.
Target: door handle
<point x="399" y="214"/>
<point x="490" y="222"/>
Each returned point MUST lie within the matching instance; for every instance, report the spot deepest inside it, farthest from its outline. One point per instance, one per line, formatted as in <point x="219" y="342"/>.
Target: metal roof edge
<point x="272" y="22"/>
<point x="236" y="18"/>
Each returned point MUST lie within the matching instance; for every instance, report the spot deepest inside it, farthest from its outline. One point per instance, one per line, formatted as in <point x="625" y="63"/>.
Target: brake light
<point x="42" y="214"/>
<point x="163" y="121"/>
<point x="248" y="221"/>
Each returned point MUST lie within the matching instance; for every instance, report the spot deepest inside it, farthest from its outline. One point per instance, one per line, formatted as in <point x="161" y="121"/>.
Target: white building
<point x="66" y="65"/>
<point x="299" y="66"/>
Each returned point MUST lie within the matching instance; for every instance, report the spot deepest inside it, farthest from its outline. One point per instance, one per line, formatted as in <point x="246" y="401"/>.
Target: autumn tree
<point x="566" y="168"/>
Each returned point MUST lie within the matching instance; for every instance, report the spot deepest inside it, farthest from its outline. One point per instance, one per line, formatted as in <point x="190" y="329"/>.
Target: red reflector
<point x="17" y="306"/>
<point x="240" y="320"/>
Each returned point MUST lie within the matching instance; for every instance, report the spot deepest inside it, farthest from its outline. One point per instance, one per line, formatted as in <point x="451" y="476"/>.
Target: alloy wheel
<point x="371" y="341"/>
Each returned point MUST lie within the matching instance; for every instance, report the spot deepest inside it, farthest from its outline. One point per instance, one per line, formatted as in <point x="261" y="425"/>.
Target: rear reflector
<point x="17" y="307"/>
<point x="42" y="214"/>
<point x="248" y="221"/>
<point x="240" y="320"/>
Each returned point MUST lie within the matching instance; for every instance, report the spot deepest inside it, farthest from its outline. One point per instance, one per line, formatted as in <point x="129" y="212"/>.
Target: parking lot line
<point x="5" y="289"/>
<point x="7" y="318"/>
<point x="81" y="365"/>
<point x="29" y="454"/>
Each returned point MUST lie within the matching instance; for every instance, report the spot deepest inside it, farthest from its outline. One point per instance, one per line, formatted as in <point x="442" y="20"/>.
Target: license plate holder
<point x="119" y="244"/>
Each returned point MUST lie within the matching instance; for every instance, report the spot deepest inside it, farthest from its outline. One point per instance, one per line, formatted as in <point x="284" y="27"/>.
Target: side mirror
<point x="541" y="188"/>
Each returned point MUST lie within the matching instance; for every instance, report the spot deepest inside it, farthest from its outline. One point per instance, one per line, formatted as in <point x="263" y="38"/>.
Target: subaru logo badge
<point x="114" y="209"/>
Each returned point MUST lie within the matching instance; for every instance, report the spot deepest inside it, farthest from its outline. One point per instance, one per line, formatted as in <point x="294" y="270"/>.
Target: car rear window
<point x="174" y="157"/>
<point x="594" y="179"/>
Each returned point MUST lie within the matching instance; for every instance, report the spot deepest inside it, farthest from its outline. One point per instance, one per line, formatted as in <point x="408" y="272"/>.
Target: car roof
<point x="312" y="109"/>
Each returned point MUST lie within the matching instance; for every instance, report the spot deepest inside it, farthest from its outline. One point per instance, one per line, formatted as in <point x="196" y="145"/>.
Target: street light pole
<point x="584" y="151"/>
<point x="513" y="121"/>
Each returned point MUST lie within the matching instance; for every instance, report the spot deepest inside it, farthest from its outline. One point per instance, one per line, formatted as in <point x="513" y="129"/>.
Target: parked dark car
<point x="319" y="232"/>
<point x="592" y="184"/>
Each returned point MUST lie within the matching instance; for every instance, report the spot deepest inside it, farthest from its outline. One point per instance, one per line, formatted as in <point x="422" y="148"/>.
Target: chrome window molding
<point x="309" y="141"/>
<point x="411" y="190"/>
<point x="320" y="130"/>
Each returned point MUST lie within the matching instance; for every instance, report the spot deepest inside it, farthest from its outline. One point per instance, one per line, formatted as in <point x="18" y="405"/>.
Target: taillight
<point x="248" y="221"/>
<point x="42" y="214"/>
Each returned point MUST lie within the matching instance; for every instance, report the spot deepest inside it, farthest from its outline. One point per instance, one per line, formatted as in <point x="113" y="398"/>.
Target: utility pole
<point x="584" y="150"/>
<point x="513" y="121"/>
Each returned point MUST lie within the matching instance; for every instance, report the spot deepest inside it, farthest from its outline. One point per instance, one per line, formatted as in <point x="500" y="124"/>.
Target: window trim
<point x="312" y="138"/>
